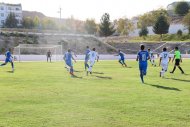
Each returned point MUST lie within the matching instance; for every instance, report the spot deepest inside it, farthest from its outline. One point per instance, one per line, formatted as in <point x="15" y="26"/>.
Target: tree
<point x="186" y="21"/>
<point x="27" y="23"/>
<point x="11" y="21"/>
<point x="105" y="27"/>
<point x="90" y="26"/>
<point x="143" y="32"/>
<point x="161" y="26"/>
<point x="124" y="26"/>
<point x="36" y="21"/>
<point x="148" y="19"/>
<point x="182" y="8"/>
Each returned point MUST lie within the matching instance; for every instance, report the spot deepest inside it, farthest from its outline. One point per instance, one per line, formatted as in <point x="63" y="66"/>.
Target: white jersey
<point x="93" y="55"/>
<point x="165" y="57"/>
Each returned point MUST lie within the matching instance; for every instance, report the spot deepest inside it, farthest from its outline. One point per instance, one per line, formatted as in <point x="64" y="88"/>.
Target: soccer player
<point x="152" y="58"/>
<point x="93" y="56"/>
<point x="178" y="59"/>
<point x="9" y="58"/>
<point x="68" y="57"/>
<point x="49" y="55"/>
<point x="142" y="57"/>
<point x="164" y="60"/>
<point x="122" y="58"/>
<point x="86" y="58"/>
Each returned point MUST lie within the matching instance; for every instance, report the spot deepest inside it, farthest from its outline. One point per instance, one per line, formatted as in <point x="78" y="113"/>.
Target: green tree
<point x="105" y="27"/>
<point x="36" y="21"/>
<point x="27" y="23"/>
<point x="48" y="24"/>
<point x="90" y="26"/>
<point x="124" y="26"/>
<point x="11" y="21"/>
<point x="148" y="19"/>
<point x="143" y="32"/>
<point x="186" y="21"/>
<point x="182" y="8"/>
<point x="161" y="26"/>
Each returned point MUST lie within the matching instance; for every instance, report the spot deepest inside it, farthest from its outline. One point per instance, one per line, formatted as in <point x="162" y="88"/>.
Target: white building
<point x="6" y="9"/>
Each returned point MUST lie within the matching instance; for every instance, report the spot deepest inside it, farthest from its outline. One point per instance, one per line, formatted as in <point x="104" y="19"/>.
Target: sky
<point x="83" y="9"/>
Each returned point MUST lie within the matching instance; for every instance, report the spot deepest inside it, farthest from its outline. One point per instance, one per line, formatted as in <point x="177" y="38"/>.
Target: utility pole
<point x="60" y="9"/>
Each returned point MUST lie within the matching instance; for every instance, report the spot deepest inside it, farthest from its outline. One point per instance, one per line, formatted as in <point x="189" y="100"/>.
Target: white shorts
<point x="91" y="63"/>
<point x="164" y="66"/>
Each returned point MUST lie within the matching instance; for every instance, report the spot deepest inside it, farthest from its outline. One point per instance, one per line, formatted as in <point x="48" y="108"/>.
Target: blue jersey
<point x="8" y="54"/>
<point x="143" y="57"/>
<point x="68" y="58"/>
<point x="121" y="56"/>
<point x="86" y="54"/>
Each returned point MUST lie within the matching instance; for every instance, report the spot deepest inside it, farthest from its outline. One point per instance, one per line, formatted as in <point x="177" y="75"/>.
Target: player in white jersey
<point x="152" y="58"/>
<point x="93" y="56"/>
<point x="164" y="60"/>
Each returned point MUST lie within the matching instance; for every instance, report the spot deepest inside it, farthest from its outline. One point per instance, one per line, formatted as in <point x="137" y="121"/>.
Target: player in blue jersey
<point x="142" y="57"/>
<point x="122" y="58"/>
<point x="86" y="58"/>
<point x="9" y="58"/>
<point x="68" y="57"/>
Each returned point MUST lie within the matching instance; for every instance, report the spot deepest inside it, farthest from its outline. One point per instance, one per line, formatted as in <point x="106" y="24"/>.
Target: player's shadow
<point x="163" y="87"/>
<point x="9" y="71"/>
<point x="182" y="80"/>
<point x="78" y="71"/>
<point x="101" y="73"/>
<point x="103" y="77"/>
<point x="77" y="77"/>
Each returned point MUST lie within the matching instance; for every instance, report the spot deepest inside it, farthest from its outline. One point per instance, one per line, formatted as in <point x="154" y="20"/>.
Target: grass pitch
<point x="44" y="95"/>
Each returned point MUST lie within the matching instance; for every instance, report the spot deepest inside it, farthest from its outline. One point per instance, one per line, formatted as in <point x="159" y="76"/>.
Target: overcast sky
<point x="83" y="9"/>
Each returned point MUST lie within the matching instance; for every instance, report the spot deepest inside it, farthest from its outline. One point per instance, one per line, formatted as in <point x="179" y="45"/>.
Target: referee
<point x="178" y="59"/>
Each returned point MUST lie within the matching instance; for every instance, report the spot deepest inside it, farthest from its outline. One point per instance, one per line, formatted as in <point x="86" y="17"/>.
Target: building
<point x="6" y="9"/>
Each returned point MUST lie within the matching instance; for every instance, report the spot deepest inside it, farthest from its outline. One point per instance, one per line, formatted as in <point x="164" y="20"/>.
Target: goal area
<point x="37" y="52"/>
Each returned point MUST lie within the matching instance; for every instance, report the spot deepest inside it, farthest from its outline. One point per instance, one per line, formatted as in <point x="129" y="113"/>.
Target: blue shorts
<point x="8" y="60"/>
<point x="69" y="64"/>
<point x="123" y="60"/>
<point x="143" y="68"/>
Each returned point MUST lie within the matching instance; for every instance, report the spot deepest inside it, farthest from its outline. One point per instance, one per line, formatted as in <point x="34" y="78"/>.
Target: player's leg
<point x="124" y="63"/>
<point x="90" y="67"/>
<point x="12" y="65"/>
<point x="86" y="65"/>
<point x="141" y="72"/>
<point x="6" y="61"/>
<point x="181" y="69"/>
<point x="50" y="59"/>
<point x="120" y="61"/>
<point x="176" y="64"/>
<point x="71" y="70"/>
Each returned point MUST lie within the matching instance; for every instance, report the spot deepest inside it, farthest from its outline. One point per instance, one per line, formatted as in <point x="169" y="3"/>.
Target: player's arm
<point x="181" y="58"/>
<point x="64" y="57"/>
<point x="74" y="59"/>
<point x="160" y="61"/>
<point x="137" y="59"/>
<point x="97" y="57"/>
<point x="173" y="59"/>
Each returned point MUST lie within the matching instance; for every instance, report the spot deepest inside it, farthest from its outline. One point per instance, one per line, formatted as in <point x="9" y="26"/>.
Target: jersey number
<point x="143" y="57"/>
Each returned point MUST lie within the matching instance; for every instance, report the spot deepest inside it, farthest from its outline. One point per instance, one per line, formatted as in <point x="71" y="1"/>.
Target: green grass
<point x="166" y="38"/>
<point x="44" y="95"/>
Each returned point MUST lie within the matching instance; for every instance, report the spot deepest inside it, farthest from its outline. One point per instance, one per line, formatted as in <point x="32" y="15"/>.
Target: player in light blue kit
<point x="68" y="57"/>
<point x="142" y="57"/>
<point x="9" y="58"/>
<point x="86" y="58"/>
<point x="122" y="58"/>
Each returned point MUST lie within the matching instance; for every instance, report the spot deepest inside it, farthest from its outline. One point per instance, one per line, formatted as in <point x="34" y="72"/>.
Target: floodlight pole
<point x="19" y="53"/>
